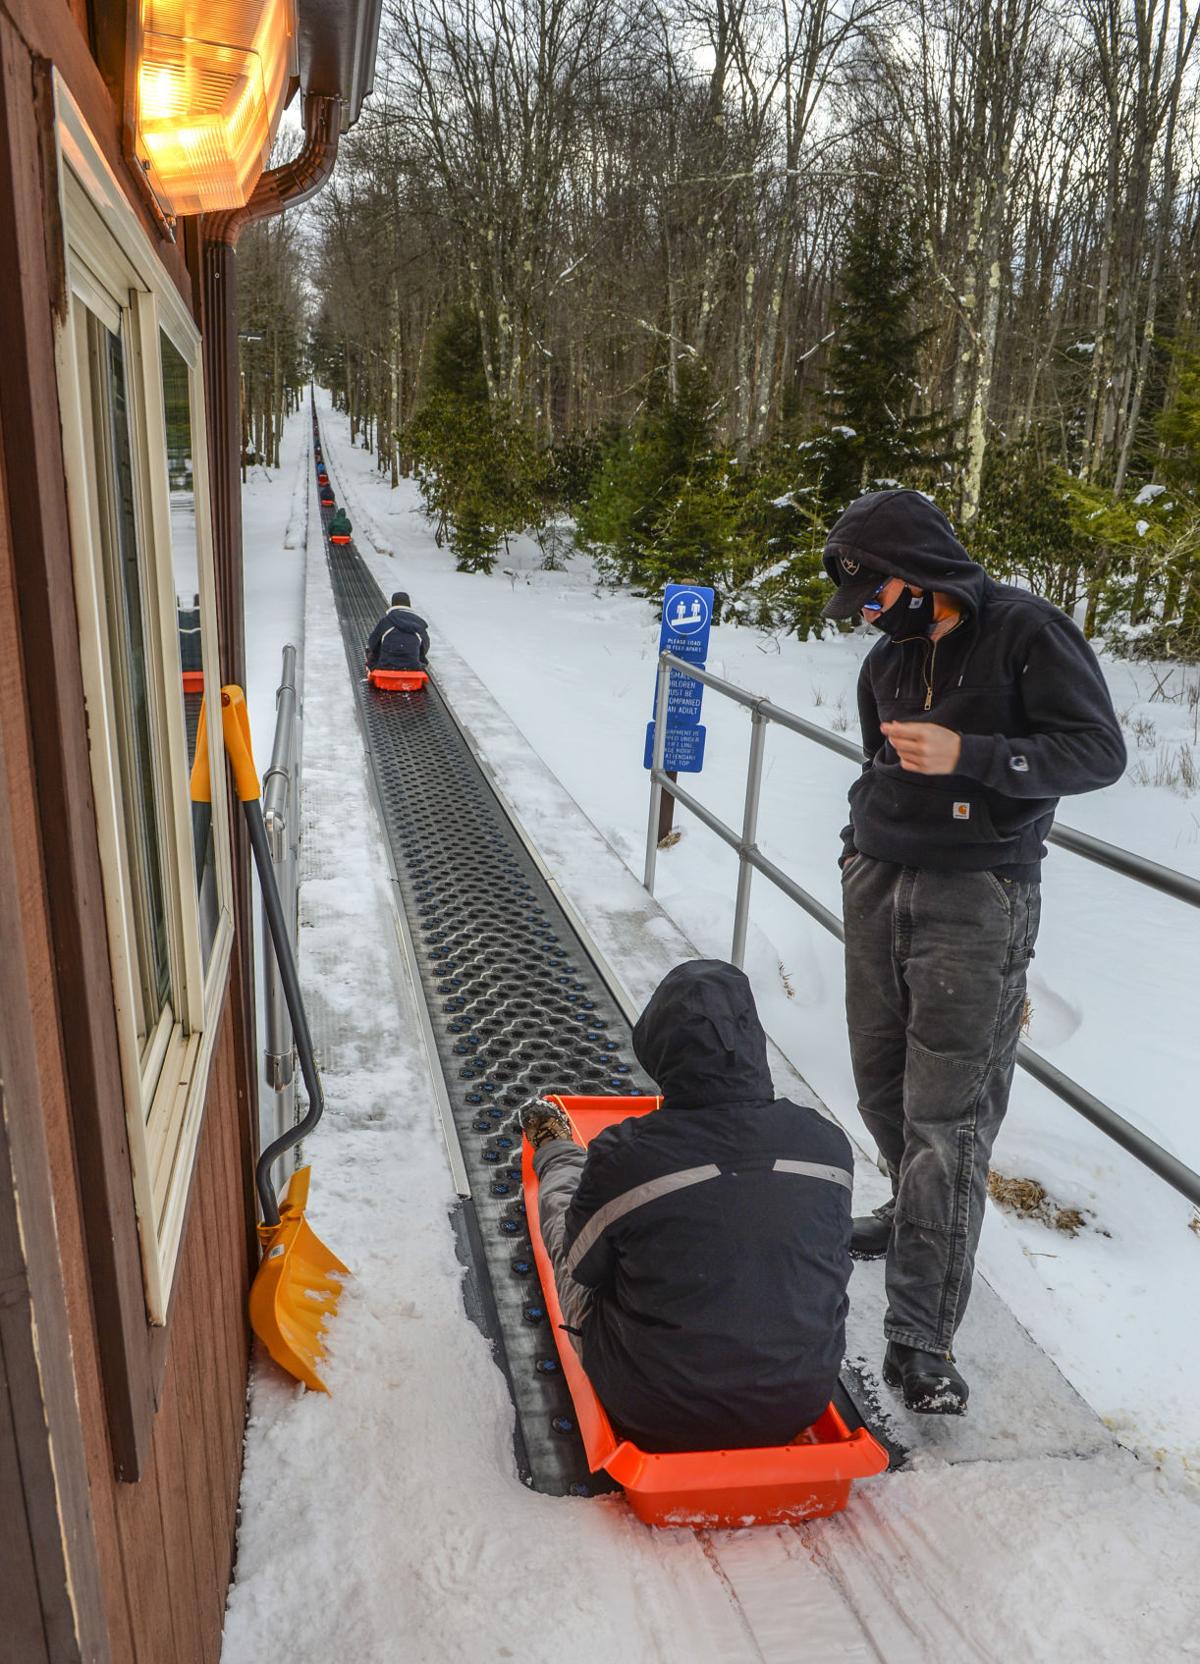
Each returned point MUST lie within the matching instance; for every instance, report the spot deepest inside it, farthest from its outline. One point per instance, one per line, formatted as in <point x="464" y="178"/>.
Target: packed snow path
<point x="386" y="1522"/>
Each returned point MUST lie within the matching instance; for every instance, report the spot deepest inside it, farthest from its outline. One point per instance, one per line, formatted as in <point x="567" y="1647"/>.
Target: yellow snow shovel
<point x="298" y="1285"/>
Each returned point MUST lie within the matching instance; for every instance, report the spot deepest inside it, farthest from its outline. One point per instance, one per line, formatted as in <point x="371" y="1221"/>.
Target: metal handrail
<point x="751" y="859"/>
<point x="281" y="818"/>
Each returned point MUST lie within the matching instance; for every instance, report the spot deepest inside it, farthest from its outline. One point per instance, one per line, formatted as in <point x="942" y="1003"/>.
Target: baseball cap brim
<point x="852" y="594"/>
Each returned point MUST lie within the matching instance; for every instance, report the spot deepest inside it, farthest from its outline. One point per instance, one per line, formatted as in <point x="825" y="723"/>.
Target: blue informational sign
<point x="686" y="621"/>
<point x="684" y="751"/>
<point x="684" y="696"/>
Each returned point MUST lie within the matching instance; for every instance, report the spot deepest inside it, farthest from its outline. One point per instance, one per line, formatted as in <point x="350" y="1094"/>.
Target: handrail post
<point x="657" y="759"/>
<point x="741" y="911"/>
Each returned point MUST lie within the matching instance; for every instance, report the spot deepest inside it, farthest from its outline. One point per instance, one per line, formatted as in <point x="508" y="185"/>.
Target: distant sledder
<point x="398" y="649"/>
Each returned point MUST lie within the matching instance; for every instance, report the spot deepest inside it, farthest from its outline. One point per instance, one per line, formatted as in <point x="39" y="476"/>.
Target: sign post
<point x="675" y="736"/>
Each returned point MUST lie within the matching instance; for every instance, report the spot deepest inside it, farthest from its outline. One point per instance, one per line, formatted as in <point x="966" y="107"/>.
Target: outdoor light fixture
<point x="212" y="78"/>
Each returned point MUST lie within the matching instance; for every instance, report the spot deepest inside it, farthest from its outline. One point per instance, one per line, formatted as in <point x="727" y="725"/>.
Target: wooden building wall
<point x="148" y="1558"/>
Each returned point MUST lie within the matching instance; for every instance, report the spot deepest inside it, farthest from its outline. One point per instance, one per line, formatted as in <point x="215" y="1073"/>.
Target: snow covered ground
<point x="386" y="1522"/>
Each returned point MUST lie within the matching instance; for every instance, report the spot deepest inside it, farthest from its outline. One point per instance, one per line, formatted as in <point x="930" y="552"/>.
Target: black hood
<point x="701" y="1040"/>
<point x="906" y="536"/>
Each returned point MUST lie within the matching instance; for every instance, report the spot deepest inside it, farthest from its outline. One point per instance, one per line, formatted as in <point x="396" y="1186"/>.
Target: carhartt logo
<point x="850" y="566"/>
<point x="962" y="811"/>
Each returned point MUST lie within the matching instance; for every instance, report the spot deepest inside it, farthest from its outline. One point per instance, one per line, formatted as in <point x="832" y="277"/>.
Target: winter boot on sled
<point x="542" y="1120"/>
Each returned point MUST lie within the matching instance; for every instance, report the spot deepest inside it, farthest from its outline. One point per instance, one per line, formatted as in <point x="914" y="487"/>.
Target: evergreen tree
<point x="663" y="506"/>
<point x="1178" y="634"/>
<point x="456" y="358"/>
<point x="1026" y="529"/>
<point x="476" y="465"/>
<point x="877" y="435"/>
<point x="668" y="505"/>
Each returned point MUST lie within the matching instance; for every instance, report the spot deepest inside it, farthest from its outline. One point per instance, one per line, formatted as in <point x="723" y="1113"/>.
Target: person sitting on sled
<point x="701" y="1253"/>
<point x="400" y="641"/>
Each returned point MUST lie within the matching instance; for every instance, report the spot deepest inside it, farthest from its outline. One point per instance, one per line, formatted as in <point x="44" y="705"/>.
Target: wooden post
<point x="666" y="809"/>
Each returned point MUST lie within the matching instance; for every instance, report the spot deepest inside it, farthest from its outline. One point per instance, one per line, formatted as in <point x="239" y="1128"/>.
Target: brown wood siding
<point x="176" y="1526"/>
<point x="50" y="1586"/>
<point x="163" y="1544"/>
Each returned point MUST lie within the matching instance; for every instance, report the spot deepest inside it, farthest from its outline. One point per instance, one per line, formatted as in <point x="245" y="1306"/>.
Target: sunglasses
<point x="874" y="604"/>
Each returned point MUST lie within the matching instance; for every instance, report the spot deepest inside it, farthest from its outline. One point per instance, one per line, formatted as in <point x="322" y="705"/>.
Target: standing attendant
<point x="981" y="705"/>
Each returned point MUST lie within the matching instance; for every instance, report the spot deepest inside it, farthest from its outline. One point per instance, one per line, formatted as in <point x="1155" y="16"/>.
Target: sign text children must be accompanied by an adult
<point x="686" y="621"/>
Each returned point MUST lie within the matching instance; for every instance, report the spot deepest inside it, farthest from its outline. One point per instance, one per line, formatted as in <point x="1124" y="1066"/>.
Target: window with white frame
<point x="134" y="443"/>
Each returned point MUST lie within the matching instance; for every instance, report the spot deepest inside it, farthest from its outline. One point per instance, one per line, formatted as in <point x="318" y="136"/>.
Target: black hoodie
<point x="1015" y="678"/>
<point x="715" y="1233"/>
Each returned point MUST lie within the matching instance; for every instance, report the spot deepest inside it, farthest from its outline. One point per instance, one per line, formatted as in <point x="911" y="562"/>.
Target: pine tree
<point x="1179" y="438"/>
<point x="456" y="358"/>
<point x="877" y="434"/>
<point x="663" y="507"/>
<point x="475" y="464"/>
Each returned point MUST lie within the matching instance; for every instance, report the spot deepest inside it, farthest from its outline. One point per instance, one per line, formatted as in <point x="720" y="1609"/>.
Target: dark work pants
<point x="559" y="1167"/>
<point x="935" y="991"/>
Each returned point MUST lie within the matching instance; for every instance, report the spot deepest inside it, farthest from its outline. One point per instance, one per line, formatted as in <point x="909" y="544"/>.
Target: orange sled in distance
<point x="781" y="1484"/>
<point x="399" y="681"/>
<point x="298" y="1283"/>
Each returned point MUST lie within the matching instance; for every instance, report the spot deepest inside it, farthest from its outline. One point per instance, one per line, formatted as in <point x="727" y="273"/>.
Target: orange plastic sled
<point x="799" y="1481"/>
<point x="406" y="681"/>
<point x="338" y="537"/>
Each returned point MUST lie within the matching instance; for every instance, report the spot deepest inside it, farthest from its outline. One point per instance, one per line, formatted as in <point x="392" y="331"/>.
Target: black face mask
<point x="910" y="615"/>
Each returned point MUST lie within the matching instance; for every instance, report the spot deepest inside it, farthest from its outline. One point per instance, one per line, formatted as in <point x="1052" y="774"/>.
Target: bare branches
<point x="612" y="187"/>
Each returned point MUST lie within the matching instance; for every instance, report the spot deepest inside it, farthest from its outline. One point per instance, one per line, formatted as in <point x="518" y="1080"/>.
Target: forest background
<point x="674" y="280"/>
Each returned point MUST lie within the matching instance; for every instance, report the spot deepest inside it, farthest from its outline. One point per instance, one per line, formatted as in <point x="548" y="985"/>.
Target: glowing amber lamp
<point x="212" y="79"/>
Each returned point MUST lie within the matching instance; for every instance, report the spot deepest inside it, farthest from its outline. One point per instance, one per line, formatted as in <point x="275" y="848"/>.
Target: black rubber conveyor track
<point x="515" y="1003"/>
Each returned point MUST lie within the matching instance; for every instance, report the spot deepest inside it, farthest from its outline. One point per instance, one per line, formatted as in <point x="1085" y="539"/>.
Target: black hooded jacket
<point x="400" y="641"/>
<point x="1015" y="678"/>
<point x="715" y="1233"/>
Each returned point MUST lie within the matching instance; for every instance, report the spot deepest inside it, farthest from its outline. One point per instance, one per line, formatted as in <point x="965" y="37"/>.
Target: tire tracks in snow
<point x="878" y="1573"/>
<point x="850" y="1589"/>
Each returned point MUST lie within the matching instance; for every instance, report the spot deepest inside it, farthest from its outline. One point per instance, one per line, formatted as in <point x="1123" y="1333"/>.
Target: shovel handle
<point x="201" y="790"/>
<point x="236" y="728"/>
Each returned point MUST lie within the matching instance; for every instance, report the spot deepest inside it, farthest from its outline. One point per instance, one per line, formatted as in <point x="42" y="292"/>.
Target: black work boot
<point x="542" y="1120"/>
<point x="870" y="1235"/>
<point x="932" y="1386"/>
